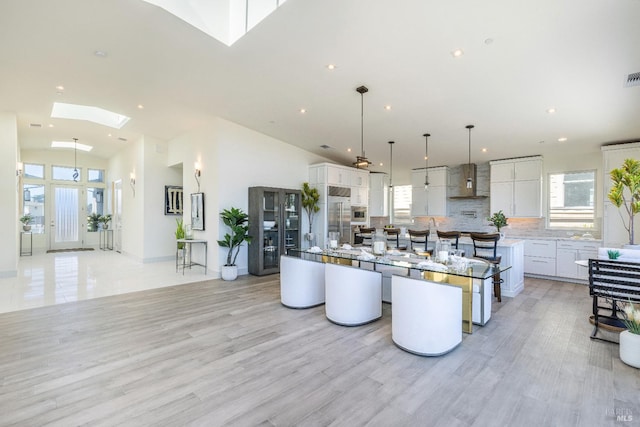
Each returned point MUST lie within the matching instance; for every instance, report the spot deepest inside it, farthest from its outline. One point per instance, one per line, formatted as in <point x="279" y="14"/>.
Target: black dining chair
<point x="451" y="235"/>
<point x="367" y="235"/>
<point x="393" y="238"/>
<point x="418" y="237"/>
<point x="485" y="246"/>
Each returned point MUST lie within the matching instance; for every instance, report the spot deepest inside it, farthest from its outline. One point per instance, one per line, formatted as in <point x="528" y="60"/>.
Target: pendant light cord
<point x="75" y="160"/>
<point x="362" y="123"/>
<point x="426" y="160"/>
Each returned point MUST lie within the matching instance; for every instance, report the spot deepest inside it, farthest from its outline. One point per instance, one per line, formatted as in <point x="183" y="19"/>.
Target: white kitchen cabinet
<point x="378" y="194"/>
<point x="540" y="257"/>
<point x="359" y="196"/>
<point x="516" y="187"/>
<point x="613" y="232"/>
<point x="570" y="251"/>
<point x="338" y="176"/>
<point x="359" y="178"/>
<point x="433" y="200"/>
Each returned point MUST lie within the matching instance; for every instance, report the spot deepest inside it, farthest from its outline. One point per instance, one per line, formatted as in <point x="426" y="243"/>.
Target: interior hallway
<point x="56" y="278"/>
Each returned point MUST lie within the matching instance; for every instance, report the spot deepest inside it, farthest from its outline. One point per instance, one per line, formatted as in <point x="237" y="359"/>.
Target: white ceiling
<point x="573" y="55"/>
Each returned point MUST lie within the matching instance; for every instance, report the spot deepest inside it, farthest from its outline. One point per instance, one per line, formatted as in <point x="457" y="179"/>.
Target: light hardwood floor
<point x="227" y="353"/>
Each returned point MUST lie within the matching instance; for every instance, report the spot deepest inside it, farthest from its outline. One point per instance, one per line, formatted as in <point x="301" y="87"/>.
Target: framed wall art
<point x="172" y="200"/>
<point x="197" y="211"/>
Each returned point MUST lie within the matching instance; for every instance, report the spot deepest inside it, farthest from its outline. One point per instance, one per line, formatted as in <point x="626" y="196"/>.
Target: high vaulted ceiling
<point x="520" y="59"/>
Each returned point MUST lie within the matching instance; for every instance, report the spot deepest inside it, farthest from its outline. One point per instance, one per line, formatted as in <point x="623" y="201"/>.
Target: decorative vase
<point x="630" y="348"/>
<point x="105" y="226"/>
<point x="26" y="227"/>
<point x="229" y="272"/>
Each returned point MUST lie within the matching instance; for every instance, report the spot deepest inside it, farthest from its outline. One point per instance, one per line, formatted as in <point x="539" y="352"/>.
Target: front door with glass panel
<point x="66" y="217"/>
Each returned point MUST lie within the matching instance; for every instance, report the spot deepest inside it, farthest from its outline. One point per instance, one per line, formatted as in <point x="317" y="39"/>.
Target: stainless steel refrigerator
<point x="339" y="212"/>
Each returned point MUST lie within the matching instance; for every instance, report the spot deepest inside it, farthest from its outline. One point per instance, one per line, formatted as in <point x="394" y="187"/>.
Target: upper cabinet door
<point x="360" y="179"/>
<point x="528" y="170"/>
<point x="502" y="172"/>
<point x="338" y="176"/>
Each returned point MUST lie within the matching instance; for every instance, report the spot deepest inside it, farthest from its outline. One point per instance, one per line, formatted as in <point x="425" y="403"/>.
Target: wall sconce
<point x="132" y="182"/>
<point x="19" y="168"/>
<point x="197" y="174"/>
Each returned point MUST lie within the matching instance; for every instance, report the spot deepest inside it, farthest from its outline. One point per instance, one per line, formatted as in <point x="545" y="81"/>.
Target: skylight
<point x="224" y="20"/>
<point x="91" y="114"/>
<point x="71" y="144"/>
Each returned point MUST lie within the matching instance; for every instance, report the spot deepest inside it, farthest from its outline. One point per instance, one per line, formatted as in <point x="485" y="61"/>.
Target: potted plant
<point x="310" y="200"/>
<point x="104" y="220"/>
<point x="498" y="220"/>
<point x="26" y="220"/>
<point x="180" y="232"/>
<point x="626" y="192"/>
<point x="238" y="223"/>
<point x="92" y="222"/>
<point x="630" y="339"/>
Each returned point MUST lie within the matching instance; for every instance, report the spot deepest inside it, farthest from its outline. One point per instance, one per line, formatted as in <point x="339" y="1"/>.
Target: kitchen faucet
<point x="433" y="220"/>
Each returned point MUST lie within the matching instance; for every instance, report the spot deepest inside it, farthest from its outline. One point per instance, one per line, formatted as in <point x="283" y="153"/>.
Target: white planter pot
<point x="630" y="348"/>
<point x="229" y="272"/>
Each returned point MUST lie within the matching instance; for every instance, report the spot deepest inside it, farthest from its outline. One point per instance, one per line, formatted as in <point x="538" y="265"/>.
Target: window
<point x="33" y="171"/>
<point x="401" y="205"/>
<point x="95" y="175"/>
<point x="572" y="199"/>
<point x="64" y="173"/>
<point x="95" y="207"/>
<point x="33" y="196"/>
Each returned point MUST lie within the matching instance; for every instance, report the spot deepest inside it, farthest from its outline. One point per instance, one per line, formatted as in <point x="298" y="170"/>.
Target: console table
<point x="187" y="243"/>
<point x="24" y="251"/>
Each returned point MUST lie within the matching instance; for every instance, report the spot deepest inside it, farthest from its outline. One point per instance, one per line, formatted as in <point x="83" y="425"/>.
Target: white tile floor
<point x="48" y="279"/>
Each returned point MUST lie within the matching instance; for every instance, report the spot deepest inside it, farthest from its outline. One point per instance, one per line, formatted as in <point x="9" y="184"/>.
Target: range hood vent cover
<point x="468" y="170"/>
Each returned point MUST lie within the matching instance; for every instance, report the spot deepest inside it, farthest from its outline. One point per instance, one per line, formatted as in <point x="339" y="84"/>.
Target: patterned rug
<point x="53" y="251"/>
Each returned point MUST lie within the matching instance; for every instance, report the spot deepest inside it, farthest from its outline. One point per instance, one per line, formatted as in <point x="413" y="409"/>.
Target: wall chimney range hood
<point x="468" y="171"/>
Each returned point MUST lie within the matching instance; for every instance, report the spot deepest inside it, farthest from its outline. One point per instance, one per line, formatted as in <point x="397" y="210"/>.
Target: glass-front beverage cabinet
<point x="274" y="225"/>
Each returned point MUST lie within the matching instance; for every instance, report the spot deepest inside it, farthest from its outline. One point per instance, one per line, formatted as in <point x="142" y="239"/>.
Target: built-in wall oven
<point x="359" y="214"/>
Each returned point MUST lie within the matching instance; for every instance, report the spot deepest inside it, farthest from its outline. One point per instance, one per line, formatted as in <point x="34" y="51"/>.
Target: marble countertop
<point x="571" y="239"/>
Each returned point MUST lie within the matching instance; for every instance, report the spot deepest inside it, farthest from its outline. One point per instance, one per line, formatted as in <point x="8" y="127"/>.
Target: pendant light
<point x="391" y="181"/>
<point x="469" y="179"/>
<point x="76" y="174"/>
<point x="361" y="160"/>
<point x="426" y="160"/>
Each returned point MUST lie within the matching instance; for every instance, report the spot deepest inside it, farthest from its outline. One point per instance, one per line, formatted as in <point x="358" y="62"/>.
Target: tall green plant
<point x="626" y="192"/>
<point x="310" y="200"/>
<point x="238" y="223"/>
<point x="180" y="232"/>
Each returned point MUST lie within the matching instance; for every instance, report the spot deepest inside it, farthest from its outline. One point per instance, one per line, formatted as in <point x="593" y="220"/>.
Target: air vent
<point x="632" y="80"/>
<point x="35" y="125"/>
<point x="325" y="146"/>
<point x="122" y="139"/>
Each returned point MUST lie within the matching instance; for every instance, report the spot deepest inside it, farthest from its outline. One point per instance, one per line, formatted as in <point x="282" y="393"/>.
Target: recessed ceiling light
<point x="50" y="125"/>
<point x="140" y="107"/>
<point x="457" y="53"/>
<point x="302" y="110"/>
<point x="484" y="150"/>
<point x="563" y="139"/>
<point x="387" y="107"/>
<point x="71" y="144"/>
<point x="60" y="87"/>
<point x="91" y="114"/>
<point x="100" y="53"/>
<point x="381" y="164"/>
<point x="109" y="135"/>
<point x="551" y="110"/>
<point x="331" y="67"/>
<point x="348" y="150"/>
<point x="426" y="158"/>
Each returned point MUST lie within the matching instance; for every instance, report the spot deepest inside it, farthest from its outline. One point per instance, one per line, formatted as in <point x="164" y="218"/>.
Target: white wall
<point x="234" y="158"/>
<point x="9" y="188"/>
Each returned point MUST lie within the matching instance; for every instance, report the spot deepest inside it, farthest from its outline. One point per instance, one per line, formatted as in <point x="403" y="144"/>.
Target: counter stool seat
<point x="485" y="246"/>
